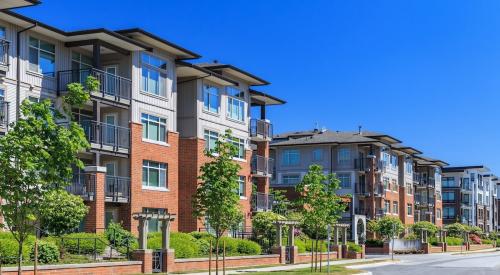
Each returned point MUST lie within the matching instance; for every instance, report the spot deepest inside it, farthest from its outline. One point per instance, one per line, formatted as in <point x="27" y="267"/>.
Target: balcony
<point x="381" y="166"/>
<point x="262" y="166"/>
<point x="4" y="114"/>
<point x="112" y="87"/>
<point x="261" y="130"/>
<point x="262" y="202"/>
<point x="466" y="187"/>
<point x="4" y="55"/>
<point x="117" y="189"/>
<point x="107" y="137"/>
<point x="423" y="200"/>
<point x="362" y="190"/>
<point x="361" y="211"/>
<point x="83" y="185"/>
<point x="379" y="190"/>
<point x="362" y="164"/>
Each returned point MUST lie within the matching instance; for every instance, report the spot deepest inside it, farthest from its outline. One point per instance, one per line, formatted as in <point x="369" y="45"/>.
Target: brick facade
<point x="191" y="158"/>
<point x="404" y="200"/>
<point x="80" y="269"/>
<point x="95" y="217"/>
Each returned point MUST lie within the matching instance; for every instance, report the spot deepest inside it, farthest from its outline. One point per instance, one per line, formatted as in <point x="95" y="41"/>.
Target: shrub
<point x="455" y="229"/>
<point x="475" y="239"/>
<point x="185" y="245"/>
<point x="353" y="247"/>
<point x="201" y="235"/>
<point x="374" y="243"/>
<point x="246" y="247"/>
<point x="61" y="212"/>
<point x="385" y="226"/>
<point x="454" y="241"/>
<point x="430" y="227"/>
<point x="301" y="245"/>
<point x="203" y="246"/>
<point x="8" y="251"/>
<point x="411" y="237"/>
<point x="48" y="252"/>
<point x="120" y="237"/>
<point x="321" y="248"/>
<point x="83" y="243"/>
<point x="476" y="230"/>
<point x="231" y="246"/>
<point x="487" y="241"/>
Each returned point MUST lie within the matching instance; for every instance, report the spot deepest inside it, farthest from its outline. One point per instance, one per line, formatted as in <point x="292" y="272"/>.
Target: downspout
<point x="18" y="68"/>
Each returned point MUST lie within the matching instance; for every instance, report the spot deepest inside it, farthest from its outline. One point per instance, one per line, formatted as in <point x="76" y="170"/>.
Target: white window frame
<point x="344" y="156"/>
<point x="291" y="154"/>
<point x="207" y="90"/>
<point x="162" y="75"/>
<point x="161" y="167"/>
<point x="235" y="102"/>
<point x="211" y="135"/>
<point x="242" y="186"/>
<point x="148" y="119"/>
<point x="39" y="49"/>
<point x="290" y="176"/>
<point x="241" y="145"/>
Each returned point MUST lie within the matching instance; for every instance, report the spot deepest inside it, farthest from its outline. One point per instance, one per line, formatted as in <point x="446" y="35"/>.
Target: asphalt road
<point x="442" y="264"/>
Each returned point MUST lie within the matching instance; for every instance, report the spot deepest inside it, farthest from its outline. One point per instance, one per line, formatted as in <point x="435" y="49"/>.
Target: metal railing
<point x="262" y="166"/>
<point x="261" y="128"/>
<point x="262" y="202"/>
<point x="4" y="52"/>
<point x="379" y="190"/>
<point x="362" y="164"/>
<point x="117" y="189"/>
<point x="361" y="189"/>
<point x="4" y="114"/>
<point x="107" y="134"/>
<point x="110" y="85"/>
<point x="423" y="200"/>
<point x="382" y="166"/>
<point x="83" y="185"/>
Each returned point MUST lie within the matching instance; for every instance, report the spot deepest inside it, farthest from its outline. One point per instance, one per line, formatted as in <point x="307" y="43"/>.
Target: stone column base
<point x="427" y="248"/>
<point x="280" y="250"/>
<point x="146" y="257"/>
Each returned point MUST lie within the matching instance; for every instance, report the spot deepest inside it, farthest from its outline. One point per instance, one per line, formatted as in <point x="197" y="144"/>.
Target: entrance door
<point x="111" y="79"/>
<point x="110" y="129"/>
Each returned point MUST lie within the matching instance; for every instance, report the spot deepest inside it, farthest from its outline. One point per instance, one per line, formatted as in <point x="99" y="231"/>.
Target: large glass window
<point x="448" y="196"/>
<point x="385" y="182"/>
<point x="395" y="207"/>
<point x="42" y="56"/>
<point x="241" y="186"/>
<point x="317" y="154"/>
<point x="448" y="212"/>
<point x="240" y="144"/>
<point x="235" y="104"/>
<point x="153" y="127"/>
<point x="345" y="180"/>
<point x="211" y="96"/>
<point x="394" y="185"/>
<point x="154" y="174"/>
<point x="438" y="213"/>
<point x="290" y="179"/>
<point x="291" y="157"/>
<point x="387" y="207"/>
<point x="394" y="161"/>
<point x="79" y="64"/>
<point x="448" y="182"/>
<point x="408" y="166"/>
<point x="409" y="209"/>
<point x="154" y="75"/>
<point x="154" y="225"/>
<point x="344" y="156"/>
<point x="211" y="138"/>
<point x="466" y="184"/>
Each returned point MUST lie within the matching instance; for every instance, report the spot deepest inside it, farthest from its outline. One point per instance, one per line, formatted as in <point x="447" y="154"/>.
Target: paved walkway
<point x="286" y="267"/>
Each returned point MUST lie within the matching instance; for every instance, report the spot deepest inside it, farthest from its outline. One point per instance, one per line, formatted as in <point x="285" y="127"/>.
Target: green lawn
<point x="336" y="270"/>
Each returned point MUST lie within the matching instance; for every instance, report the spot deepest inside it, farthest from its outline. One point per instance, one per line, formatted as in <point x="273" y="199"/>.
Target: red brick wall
<point x="306" y="257"/>
<point x="95" y="216"/>
<point x="191" y="158"/>
<point x="202" y="263"/>
<point x="404" y="199"/>
<point x="142" y="198"/>
<point x="84" y="269"/>
<point x="439" y="205"/>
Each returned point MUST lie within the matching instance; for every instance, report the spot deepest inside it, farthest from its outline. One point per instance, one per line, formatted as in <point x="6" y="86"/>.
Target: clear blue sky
<point x="427" y="72"/>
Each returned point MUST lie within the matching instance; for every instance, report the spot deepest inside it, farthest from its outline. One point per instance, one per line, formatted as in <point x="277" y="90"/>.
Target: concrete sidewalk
<point x="289" y="267"/>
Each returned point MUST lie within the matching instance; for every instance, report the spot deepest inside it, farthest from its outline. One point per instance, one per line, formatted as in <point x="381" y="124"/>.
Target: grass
<point x="335" y="269"/>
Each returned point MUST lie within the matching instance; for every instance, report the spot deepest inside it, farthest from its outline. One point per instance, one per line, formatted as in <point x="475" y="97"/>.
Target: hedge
<point x="354" y="247"/>
<point x="374" y="243"/>
<point x="9" y="247"/>
<point x="48" y="252"/>
<point x="84" y="246"/>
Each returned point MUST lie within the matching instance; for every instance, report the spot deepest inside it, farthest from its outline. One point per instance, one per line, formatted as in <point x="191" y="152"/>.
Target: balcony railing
<point x="382" y="166"/>
<point x="262" y="202"/>
<point x="261" y="129"/>
<point x="83" y="185"/>
<point x="423" y="200"/>
<point x="262" y="166"/>
<point x="110" y="85"/>
<point x="117" y="189"/>
<point x="104" y="134"/>
<point x="379" y="190"/>
<point x="4" y="114"/>
<point x="362" y="164"/>
<point x="362" y="189"/>
<point x="4" y="52"/>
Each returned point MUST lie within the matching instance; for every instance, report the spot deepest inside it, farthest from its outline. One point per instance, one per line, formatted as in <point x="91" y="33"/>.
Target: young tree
<point x="387" y="227"/>
<point x="319" y="203"/>
<point x="36" y="157"/>
<point x="281" y="204"/>
<point x="216" y="199"/>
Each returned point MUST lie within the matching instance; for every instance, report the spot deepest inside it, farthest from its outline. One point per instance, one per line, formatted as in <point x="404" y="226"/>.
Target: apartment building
<point x="383" y="176"/>
<point x="208" y="106"/>
<point x="469" y="196"/>
<point x="152" y="111"/>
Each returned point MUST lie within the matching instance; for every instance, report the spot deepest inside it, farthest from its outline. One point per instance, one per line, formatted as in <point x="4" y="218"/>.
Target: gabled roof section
<point x="423" y="160"/>
<point x="237" y="72"/>
<point x="158" y="42"/>
<point x="263" y="99"/>
<point x="13" y="4"/>
<point x="406" y="149"/>
<point x="192" y="72"/>
<point x="321" y="137"/>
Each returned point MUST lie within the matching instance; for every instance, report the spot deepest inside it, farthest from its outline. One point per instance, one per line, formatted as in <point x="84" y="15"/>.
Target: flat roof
<point x="463" y="168"/>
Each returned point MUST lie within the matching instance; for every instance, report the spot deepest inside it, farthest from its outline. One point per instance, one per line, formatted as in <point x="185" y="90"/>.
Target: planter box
<point x="354" y="255"/>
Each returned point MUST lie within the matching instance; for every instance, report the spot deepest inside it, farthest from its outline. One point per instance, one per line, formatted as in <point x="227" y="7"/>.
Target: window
<point x="154" y="174"/>
<point x="409" y="188"/>
<point x="466" y="184"/>
<point x="408" y="167"/>
<point x="2" y="95"/>
<point x="344" y="156"/>
<point x="317" y="154"/>
<point x="448" y="196"/>
<point x="291" y="157"/>
<point x="42" y="56"/>
<point x="240" y="144"/>
<point x="438" y="195"/>
<point x="154" y="225"/>
<point x="211" y="138"/>
<point x="385" y="182"/>
<point x="448" y="213"/>
<point x="387" y="207"/>
<point x="153" y="127"/>
<point x="154" y="75"/>
<point x="394" y="161"/>
<point x="466" y="215"/>
<point x="448" y="181"/>
<point x="211" y="98"/>
<point x="409" y="209"/>
<point x="2" y="33"/>
<point x="345" y="180"/>
<point x="80" y="64"/>
<point x="235" y="104"/>
<point x="395" y="207"/>
<point x="394" y="185"/>
<point x="479" y="198"/>
<point x="438" y="213"/>
<point x="290" y="179"/>
<point x="241" y="186"/>
<point x="33" y="99"/>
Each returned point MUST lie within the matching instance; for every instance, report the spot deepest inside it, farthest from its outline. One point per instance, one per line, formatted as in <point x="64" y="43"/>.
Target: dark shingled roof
<point x="325" y="137"/>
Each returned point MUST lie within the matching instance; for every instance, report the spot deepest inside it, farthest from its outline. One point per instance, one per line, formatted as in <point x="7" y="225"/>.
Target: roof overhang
<point x="192" y="72"/>
<point x="385" y="138"/>
<point x="422" y="160"/>
<point x="251" y="79"/>
<point x="406" y="149"/>
<point x="263" y="99"/>
<point x="158" y="42"/>
<point x="12" y="4"/>
<point x="481" y="168"/>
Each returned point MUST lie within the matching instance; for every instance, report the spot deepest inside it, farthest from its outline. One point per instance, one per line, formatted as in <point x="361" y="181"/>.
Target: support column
<point x="279" y="248"/>
<point x="94" y="221"/>
<point x="336" y="247"/>
<point x="143" y="254"/>
<point x="168" y="254"/>
<point x="344" y="242"/>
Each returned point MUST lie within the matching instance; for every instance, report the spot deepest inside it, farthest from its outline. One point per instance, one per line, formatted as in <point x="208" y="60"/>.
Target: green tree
<point x="318" y="202"/>
<point x="263" y="226"/>
<point x="216" y="199"/>
<point x="430" y="227"/>
<point x="387" y="226"/>
<point x="61" y="212"/>
<point x="36" y="157"/>
<point x="281" y="204"/>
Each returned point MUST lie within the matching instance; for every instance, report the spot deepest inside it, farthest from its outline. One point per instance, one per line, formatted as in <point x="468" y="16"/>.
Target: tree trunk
<point x="217" y="256"/>
<point x="20" y="258"/>
<point x="316" y="262"/>
<point x="312" y="255"/>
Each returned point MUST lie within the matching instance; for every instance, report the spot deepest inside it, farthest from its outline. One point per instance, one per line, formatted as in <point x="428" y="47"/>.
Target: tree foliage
<point x="387" y="226"/>
<point x="36" y="157"/>
<point x="263" y="225"/>
<point x="61" y="212"/>
<point x="455" y="230"/>
<point x="430" y="227"/>
<point x="281" y="204"/>
<point x="319" y="203"/>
